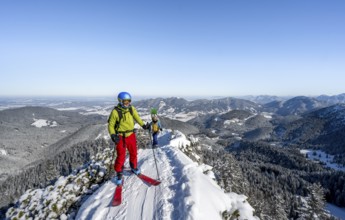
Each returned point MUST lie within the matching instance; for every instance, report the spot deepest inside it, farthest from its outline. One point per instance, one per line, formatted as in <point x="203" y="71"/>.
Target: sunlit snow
<point x="320" y="156"/>
<point x="3" y="152"/>
<point x="39" y="123"/>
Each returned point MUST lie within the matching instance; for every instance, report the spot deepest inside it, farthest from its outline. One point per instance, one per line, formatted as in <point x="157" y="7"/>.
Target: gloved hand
<point x="161" y="129"/>
<point x="115" y="138"/>
<point x="146" y="126"/>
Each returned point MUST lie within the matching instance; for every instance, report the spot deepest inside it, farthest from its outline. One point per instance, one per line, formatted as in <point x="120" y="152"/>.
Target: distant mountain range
<point x="174" y="107"/>
<point x="300" y="120"/>
<point x="331" y="100"/>
<point x="264" y="99"/>
<point x="202" y="106"/>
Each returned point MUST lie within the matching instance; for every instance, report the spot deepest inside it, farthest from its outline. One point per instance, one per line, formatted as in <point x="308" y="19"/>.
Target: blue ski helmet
<point x="124" y="96"/>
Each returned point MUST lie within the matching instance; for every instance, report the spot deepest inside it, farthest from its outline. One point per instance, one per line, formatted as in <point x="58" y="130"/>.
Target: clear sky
<point x="172" y="47"/>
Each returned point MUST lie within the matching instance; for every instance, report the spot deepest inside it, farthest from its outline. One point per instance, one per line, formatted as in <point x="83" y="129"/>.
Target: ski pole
<point x="111" y="160"/>
<point x="154" y="155"/>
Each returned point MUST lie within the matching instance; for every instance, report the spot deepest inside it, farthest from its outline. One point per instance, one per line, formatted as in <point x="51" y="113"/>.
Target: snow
<point x="161" y="105"/>
<point x="326" y="158"/>
<point x="322" y="157"/>
<point x="67" y="109"/>
<point x="103" y="112"/>
<point x="94" y="110"/>
<point x="193" y="139"/>
<point x="98" y="136"/>
<point x="185" y="192"/>
<point x="170" y="110"/>
<point x="184" y="116"/>
<point x="188" y="189"/>
<point x="267" y="115"/>
<point x="336" y="211"/>
<point x="3" y="152"/>
<point x="39" y="123"/>
<point x="234" y="121"/>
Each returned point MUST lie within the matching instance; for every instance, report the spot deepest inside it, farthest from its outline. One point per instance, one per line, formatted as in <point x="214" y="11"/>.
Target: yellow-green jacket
<point x="127" y="121"/>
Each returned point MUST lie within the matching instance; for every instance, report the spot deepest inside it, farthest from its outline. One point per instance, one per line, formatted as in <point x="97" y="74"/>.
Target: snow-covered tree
<point x="316" y="202"/>
<point x="62" y="198"/>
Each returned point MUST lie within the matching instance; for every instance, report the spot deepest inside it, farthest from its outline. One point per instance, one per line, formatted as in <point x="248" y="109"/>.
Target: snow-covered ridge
<point x="187" y="191"/>
<point x="205" y="198"/>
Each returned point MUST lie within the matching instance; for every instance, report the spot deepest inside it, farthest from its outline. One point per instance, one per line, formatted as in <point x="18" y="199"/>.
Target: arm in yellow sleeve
<point x="137" y="117"/>
<point x="112" y="121"/>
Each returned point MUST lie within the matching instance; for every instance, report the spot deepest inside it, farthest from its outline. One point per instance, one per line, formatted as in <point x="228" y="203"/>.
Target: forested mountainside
<point x="29" y="133"/>
<point x="276" y="180"/>
<point x="45" y="172"/>
<point x="320" y="129"/>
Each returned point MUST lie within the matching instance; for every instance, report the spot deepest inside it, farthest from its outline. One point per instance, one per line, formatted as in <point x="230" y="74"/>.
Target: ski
<point x="145" y="178"/>
<point x="148" y="180"/>
<point x="117" y="199"/>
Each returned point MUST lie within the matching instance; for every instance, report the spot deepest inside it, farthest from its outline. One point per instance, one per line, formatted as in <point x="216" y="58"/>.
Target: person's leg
<point x="121" y="156"/>
<point x="154" y="137"/>
<point x="131" y="143"/>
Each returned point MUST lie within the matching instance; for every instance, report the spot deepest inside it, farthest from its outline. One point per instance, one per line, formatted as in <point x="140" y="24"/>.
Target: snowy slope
<point x="320" y="156"/>
<point x="185" y="192"/>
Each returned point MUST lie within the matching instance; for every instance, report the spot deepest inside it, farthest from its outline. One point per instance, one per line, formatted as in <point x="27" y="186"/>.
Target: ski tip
<point x="117" y="196"/>
<point x="156" y="183"/>
<point x="117" y="203"/>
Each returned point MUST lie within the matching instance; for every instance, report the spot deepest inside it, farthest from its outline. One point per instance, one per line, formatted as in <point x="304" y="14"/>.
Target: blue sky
<point x="172" y="47"/>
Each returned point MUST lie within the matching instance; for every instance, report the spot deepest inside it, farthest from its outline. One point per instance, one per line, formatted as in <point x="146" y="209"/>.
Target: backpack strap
<point x="131" y="110"/>
<point x="117" y="124"/>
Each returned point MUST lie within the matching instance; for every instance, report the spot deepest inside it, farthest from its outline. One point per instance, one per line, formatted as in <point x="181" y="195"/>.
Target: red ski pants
<point x="129" y="143"/>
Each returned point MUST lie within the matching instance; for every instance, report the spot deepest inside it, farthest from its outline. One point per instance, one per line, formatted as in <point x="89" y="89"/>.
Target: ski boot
<point x="118" y="179"/>
<point x="136" y="171"/>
